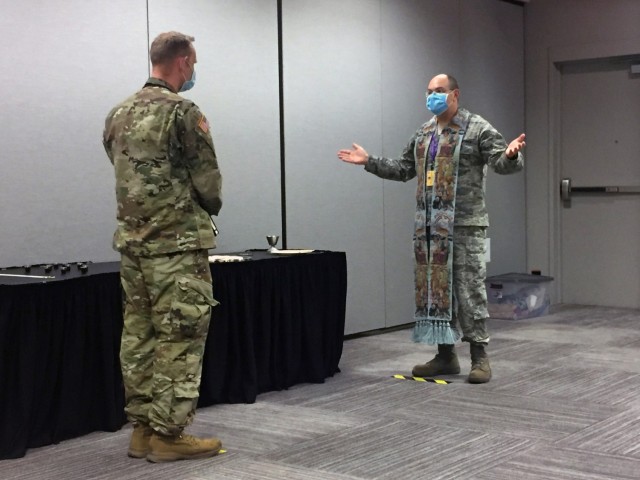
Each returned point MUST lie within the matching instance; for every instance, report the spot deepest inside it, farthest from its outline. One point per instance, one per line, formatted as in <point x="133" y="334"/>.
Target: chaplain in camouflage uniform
<point x="481" y="146"/>
<point x="167" y="187"/>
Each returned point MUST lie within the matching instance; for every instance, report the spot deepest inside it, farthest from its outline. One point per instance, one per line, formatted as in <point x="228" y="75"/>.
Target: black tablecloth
<point x="280" y="322"/>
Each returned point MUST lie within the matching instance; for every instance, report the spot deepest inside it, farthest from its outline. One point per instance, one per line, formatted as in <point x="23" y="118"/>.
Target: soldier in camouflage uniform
<point x="167" y="187"/>
<point x="481" y="146"/>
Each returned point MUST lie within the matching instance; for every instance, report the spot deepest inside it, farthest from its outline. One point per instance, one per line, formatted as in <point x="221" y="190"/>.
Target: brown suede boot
<point x="480" y="368"/>
<point x="181" y="447"/>
<point x="444" y="363"/>
<point x="139" y="443"/>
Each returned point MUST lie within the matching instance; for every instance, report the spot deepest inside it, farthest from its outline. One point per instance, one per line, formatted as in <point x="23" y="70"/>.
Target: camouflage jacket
<point x="167" y="177"/>
<point x="482" y="146"/>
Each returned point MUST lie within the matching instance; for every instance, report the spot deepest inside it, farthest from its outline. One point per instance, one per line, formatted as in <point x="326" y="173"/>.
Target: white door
<point x="600" y="146"/>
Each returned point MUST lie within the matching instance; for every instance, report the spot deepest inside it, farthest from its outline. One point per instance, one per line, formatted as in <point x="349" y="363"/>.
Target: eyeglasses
<point x="437" y="90"/>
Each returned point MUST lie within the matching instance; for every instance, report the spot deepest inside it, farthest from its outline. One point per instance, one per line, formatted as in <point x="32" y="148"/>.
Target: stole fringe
<point x="434" y="332"/>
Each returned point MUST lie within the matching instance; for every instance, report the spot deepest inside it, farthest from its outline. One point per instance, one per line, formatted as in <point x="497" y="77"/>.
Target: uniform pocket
<point x="194" y="287"/>
<point x="188" y="387"/>
<point x="466" y="149"/>
<point x="469" y="247"/>
<point x="191" y="307"/>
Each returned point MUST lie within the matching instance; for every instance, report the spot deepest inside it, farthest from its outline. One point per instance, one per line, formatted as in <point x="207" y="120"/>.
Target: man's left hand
<point x="515" y="146"/>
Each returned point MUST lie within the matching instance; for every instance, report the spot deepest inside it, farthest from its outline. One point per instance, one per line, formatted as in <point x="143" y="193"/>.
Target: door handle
<point x="566" y="189"/>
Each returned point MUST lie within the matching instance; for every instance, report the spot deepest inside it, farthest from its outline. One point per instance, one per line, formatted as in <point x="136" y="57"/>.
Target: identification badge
<point x="431" y="175"/>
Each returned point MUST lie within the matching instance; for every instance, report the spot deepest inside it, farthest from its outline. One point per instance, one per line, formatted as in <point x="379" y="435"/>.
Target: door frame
<point x="559" y="56"/>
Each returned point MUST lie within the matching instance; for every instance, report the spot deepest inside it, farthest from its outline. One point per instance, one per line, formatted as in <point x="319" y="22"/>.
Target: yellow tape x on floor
<point x="422" y="379"/>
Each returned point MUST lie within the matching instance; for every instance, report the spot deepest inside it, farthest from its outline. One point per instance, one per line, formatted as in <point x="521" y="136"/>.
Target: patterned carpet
<point x="563" y="405"/>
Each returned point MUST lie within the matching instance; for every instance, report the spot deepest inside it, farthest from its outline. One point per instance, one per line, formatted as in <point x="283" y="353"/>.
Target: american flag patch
<point x="203" y="124"/>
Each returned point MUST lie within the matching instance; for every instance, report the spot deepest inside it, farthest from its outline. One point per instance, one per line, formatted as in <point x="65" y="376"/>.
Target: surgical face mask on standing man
<point x="188" y="84"/>
<point x="437" y="102"/>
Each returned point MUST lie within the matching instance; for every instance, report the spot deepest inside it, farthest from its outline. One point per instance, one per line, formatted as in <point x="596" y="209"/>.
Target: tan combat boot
<point x="139" y="443"/>
<point x="181" y="447"/>
<point x="444" y="363"/>
<point x="480" y="368"/>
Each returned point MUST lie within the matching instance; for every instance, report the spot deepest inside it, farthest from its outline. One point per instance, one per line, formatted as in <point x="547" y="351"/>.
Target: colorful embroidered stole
<point x="433" y="242"/>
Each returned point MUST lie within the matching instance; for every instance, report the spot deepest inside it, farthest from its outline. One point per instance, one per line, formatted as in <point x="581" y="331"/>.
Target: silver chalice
<point x="273" y="241"/>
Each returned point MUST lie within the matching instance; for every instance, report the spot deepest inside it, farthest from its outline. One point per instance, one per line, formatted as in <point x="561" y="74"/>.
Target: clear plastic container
<point x="513" y="296"/>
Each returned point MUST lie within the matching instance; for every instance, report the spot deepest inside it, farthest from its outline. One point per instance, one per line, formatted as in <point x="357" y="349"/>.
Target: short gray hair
<point x="453" y="83"/>
<point x="169" y="45"/>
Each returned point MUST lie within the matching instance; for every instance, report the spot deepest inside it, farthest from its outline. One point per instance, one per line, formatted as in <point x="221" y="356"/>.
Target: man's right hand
<point x="357" y="155"/>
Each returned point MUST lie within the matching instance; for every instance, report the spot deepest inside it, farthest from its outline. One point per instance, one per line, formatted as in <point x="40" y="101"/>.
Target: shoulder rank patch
<point x="203" y="124"/>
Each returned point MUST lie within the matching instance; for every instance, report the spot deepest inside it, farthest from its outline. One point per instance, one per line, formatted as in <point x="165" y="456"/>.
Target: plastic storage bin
<point x="514" y="296"/>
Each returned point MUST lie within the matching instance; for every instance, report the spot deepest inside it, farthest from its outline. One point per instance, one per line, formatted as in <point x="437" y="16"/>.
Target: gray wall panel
<point x="332" y="98"/>
<point x="64" y="67"/>
<point x="411" y="55"/>
<point x="492" y="85"/>
<point x="237" y="89"/>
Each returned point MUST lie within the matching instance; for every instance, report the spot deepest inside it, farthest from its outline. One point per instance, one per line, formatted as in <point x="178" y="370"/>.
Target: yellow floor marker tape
<point x="422" y="379"/>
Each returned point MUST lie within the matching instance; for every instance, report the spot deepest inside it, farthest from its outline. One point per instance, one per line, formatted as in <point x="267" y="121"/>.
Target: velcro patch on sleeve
<point x="203" y="124"/>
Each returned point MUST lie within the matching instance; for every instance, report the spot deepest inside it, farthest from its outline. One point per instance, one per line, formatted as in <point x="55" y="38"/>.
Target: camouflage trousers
<point x="469" y="292"/>
<point x="167" y="310"/>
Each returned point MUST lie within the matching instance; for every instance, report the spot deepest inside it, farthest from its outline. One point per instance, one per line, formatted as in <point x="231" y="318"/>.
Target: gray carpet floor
<point x="563" y="404"/>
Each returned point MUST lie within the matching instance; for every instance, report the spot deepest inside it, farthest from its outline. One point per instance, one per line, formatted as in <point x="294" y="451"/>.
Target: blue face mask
<point x="188" y="84"/>
<point x="437" y="103"/>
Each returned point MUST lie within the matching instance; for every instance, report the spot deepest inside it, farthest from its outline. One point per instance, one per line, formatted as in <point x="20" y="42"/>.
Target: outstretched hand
<point x="357" y="155"/>
<point x="515" y="146"/>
